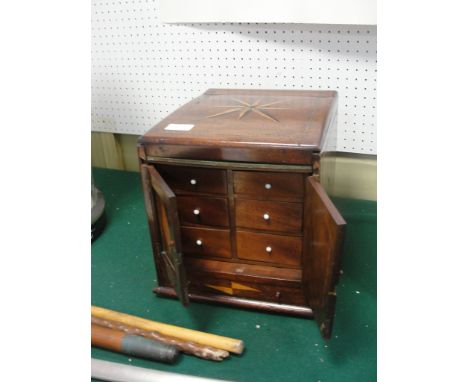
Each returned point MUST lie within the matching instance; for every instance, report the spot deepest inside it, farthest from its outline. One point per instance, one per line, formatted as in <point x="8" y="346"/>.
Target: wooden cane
<point x="191" y="348"/>
<point x="225" y="343"/>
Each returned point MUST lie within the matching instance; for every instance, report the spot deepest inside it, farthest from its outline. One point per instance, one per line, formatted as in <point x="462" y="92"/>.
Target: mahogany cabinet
<point x="236" y="211"/>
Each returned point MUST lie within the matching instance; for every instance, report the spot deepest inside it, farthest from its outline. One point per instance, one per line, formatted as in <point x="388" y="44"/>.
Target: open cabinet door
<point x="323" y="238"/>
<point x="161" y="207"/>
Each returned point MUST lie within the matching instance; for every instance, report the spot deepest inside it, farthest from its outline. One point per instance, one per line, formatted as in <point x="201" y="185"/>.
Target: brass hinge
<point x="141" y="152"/>
<point x="316" y="170"/>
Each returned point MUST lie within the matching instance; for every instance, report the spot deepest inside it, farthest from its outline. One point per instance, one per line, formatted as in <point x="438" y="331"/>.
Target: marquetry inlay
<point x="230" y="290"/>
<point x="243" y="108"/>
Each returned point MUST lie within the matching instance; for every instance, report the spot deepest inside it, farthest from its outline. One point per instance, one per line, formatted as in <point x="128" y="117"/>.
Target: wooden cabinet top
<point x="247" y="121"/>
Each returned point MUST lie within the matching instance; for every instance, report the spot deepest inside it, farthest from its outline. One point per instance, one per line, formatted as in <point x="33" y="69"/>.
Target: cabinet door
<point x="323" y="237"/>
<point x="161" y="207"/>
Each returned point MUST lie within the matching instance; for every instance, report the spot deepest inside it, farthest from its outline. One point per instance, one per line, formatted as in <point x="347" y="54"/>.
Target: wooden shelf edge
<point x="263" y="274"/>
<point x="294" y="310"/>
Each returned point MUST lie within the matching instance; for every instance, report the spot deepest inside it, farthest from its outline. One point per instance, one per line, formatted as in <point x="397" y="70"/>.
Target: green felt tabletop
<point x="278" y="347"/>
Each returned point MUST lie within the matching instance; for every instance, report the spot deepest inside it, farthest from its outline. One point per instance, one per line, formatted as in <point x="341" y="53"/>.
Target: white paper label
<point x="179" y="127"/>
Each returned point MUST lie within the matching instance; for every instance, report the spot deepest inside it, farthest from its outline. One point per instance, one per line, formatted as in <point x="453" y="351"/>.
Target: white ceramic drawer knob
<point x="268" y="186"/>
<point x="193" y="181"/>
<point x="199" y="242"/>
<point x="268" y="249"/>
<point x="196" y="212"/>
<point x="266" y="216"/>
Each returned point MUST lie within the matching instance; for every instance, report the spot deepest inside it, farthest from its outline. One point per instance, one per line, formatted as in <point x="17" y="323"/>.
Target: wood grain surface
<point x="282" y="216"/>
<point x="324" y="234"/>
<point x="277" y="249"/>
<point x="181" y="179"/>
<point x="270" y="126"/>
<point x="203" y="211"/>
<point x="269" y="185"/>
<point x="204" y="242"/>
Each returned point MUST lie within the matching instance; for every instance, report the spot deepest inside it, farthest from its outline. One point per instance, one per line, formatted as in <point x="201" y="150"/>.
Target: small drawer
<point x="246" y="289"/>
<point x="269" y="216"/>
<point x="193" y="180"/>
<point x="206" y="211"/>
<point x="206" y="242"/>
<point x="280" y="249"/>
<point x="266" y="185"/>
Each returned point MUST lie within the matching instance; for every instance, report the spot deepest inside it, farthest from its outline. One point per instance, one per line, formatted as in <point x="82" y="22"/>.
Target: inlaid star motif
<point x="230" y="290"/>
<point x="244" y="108"/>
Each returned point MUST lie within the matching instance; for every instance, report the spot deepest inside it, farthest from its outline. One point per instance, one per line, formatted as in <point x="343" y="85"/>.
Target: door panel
<point x="323" y="238"/>
<point x="162" y="212"/>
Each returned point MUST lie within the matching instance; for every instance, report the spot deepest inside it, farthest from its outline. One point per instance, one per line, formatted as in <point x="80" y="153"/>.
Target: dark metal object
<point x="98" y="216"/>
<point x="132" y="345"/>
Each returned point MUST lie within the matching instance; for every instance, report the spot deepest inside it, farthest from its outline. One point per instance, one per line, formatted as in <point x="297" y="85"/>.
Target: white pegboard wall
<point x="142" y="69"/>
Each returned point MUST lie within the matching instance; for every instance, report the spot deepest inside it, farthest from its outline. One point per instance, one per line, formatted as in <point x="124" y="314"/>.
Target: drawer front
<point x="269" y="215"/>
<point x="266" y="185"/>
<point x="206" y="211"/>
<point x="280" y="249"/>
<point x="206" y="242"/>
<point x="207" y="284"/>
<point x="192" y="180"/>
